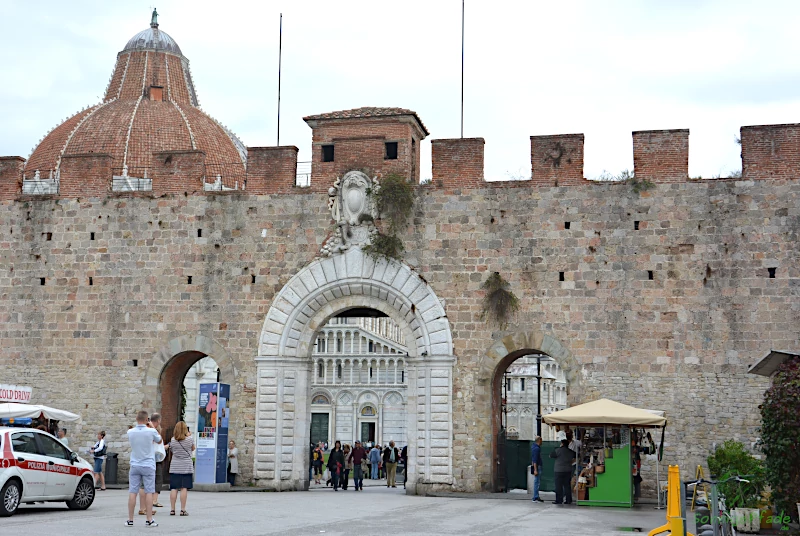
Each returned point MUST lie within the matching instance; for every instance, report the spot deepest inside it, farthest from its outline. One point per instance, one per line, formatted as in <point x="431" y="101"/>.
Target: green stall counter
<point x="614" y="487"/>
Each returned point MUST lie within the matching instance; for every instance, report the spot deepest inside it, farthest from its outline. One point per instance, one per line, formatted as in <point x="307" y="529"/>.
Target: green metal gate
<point x="517" y="459"/>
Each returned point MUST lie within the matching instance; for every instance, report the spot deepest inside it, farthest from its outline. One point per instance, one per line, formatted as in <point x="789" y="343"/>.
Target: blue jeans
<point x="536" y="481"/>
<point x="358" y="476"/>
<point x="374" y="471"/>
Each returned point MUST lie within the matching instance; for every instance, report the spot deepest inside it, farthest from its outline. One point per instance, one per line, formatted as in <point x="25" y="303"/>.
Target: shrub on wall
<point x="780" y="436"/>
<point x="394" y="201"/>
<point x="499" y="303"/>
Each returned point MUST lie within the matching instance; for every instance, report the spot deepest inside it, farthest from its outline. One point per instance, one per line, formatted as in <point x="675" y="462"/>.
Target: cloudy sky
<point x="604" y="68"/>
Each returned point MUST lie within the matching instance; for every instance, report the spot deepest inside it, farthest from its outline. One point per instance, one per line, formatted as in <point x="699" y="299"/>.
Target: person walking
<point x="374" y="460"/>
<point x="181" y="468"/>
<point x="317" y="458"/>
<point x="99" y="454"/>
<point x="536" y="467"/>
<point x="563" y="472"/>
<point x="390" y="458"/>
<point x="233" y="462"/>
<point x="357" y="457"/>
<point x="336" y="464"/>
<point x="348" y="466"/>
<point x="155" y="423"/>
<point x="143" y="442"/>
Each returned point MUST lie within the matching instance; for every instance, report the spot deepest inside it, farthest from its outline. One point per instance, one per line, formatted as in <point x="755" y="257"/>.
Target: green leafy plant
<point x="394" y="201"/>
<point x="499" y="303"/>
<point x="183" y="403"/>
<point x="780" y="436"/>
<point x="385" y="245"/>
<point x="732" y="459"/>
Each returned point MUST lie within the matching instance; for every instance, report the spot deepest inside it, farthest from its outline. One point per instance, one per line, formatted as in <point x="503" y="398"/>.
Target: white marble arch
<point x="321" y="290"/>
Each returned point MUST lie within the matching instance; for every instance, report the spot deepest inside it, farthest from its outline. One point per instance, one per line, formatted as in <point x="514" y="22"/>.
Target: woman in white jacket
<point x="233" y="461"/>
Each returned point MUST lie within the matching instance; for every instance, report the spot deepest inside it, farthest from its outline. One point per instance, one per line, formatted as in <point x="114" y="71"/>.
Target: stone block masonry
<point x="681" y="341"/>
<point x="10" y="177"/>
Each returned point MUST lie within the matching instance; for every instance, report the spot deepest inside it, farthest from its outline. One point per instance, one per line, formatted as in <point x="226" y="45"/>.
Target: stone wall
<point x="666" y="313"/>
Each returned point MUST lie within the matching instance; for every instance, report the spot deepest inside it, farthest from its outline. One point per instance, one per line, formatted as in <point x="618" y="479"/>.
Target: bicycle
<point x="721" y="522"/>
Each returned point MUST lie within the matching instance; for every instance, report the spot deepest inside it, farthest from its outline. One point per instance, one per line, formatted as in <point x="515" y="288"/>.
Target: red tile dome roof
<point x="150" y="105"/>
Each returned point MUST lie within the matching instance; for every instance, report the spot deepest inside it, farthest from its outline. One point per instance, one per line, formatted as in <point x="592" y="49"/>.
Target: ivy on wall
<point x="394" y="201"/>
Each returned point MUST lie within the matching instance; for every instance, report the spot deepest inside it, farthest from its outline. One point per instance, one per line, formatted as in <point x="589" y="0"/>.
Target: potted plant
<point x="741" y="498"/>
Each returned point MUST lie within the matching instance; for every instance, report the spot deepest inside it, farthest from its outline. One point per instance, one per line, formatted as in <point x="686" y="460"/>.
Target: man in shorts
<point x="143" y="442"/>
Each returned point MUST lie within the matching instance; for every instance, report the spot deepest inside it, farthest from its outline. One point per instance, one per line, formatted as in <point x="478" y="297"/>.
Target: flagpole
<point x="462" y="68"/>
<point x="280" y="50"/>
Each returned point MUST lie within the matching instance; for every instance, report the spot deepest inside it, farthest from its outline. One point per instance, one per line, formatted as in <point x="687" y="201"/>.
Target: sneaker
<point x="150" y="524"/>
<point x="129" y="523"/>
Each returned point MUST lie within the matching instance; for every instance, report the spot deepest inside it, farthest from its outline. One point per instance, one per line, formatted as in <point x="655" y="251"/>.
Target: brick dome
<point x="150" y="105"/>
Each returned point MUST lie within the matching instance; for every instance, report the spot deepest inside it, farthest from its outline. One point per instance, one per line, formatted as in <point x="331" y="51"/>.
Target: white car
<point x="35" y="466"/>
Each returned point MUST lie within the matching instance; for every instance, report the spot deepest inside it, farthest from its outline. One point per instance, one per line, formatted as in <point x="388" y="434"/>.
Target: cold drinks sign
<point x="15" y="393"/>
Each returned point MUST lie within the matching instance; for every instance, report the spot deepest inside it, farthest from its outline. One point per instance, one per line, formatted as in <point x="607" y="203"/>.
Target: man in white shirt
<point x="143" y="442"/>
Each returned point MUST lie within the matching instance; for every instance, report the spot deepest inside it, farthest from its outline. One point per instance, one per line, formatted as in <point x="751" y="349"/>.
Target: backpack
<point x="102" y="452"/>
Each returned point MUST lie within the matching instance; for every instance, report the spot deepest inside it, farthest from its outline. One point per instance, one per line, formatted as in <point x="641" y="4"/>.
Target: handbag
<point x="161" y="453"/>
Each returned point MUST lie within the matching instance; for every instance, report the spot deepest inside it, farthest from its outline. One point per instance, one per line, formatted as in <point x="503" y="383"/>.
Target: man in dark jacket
<point x="391" y="455"/>
<point x="336" y="464"/>
<point x="536" y="467"/>
<point x="563" y="472"/>
<point x="356" y="456"/>
<point x="404" y="459"/>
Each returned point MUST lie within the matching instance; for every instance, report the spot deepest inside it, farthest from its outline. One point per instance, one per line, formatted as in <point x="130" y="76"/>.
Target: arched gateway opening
<point x="175" y="372"/>
<point x="530" y="348"/>
<point x="326" y="289"/>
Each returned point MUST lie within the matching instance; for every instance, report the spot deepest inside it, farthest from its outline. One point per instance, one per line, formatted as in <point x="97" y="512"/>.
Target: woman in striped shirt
<point x="181" y="468"/>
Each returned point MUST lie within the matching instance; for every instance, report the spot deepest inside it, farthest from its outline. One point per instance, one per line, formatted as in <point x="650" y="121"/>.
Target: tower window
<point x="339" y="371"/>
<point x="561" y="276"/>
<point x="199" y="233"/>
<point x="650" y="275"/>
<point x="636" y="226"/>
<point x="522" y="384"/>
<point x="391" y="150"/>
<point x="91" y="281"/>
<point x="91" y="236"/>
<point x="189" y="280"/>
<point x="42" y="281"/>
<point x="771" y="273"/>
<point x="566" y="225"/>
<point x="320" y="371"/>
<point x="327" y="153"/>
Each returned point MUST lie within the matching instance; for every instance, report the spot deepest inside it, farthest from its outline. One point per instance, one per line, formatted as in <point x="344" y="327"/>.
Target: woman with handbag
<point x="181" y="468"/>
<point x="99" y="453"/>
<point x="336" y="464"/>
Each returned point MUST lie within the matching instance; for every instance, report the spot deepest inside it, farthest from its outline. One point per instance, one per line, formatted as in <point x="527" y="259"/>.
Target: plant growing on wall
<point x="394" y="201"/>
<point x="732" y="459"/>
<point x="780" y="436"/>
<point x="499" y="303"/>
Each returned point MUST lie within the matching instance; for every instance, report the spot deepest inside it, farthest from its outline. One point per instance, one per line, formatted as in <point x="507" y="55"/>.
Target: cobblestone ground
<point x="376" y="510"/>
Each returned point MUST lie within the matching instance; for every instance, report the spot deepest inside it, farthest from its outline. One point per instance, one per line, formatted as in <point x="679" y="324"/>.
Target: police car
<point x="35" y="466"/>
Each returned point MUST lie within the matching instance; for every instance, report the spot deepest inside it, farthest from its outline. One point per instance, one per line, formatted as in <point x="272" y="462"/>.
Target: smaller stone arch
<point x="318" y="394"/>
<point x="191" y="346"/>
<point x="369" y="396"/>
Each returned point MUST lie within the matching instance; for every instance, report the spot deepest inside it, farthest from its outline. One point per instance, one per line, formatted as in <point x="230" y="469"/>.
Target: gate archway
<point x="498" y="358"/>
<point x="323" y="289"/>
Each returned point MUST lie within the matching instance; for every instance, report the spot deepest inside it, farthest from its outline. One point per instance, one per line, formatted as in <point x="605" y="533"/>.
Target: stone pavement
<point x="376" y="510"/>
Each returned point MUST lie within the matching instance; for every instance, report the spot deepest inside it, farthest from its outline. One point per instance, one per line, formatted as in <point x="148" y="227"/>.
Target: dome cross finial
<point x="154" y="20"/>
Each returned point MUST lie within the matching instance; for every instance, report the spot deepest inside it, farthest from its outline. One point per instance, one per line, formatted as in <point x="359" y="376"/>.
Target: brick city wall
<point x="681" y="341"/>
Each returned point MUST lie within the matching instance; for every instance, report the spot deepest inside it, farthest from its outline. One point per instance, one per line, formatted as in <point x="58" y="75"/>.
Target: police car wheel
<point x="9" y="498"/>
<point x="84" y="495"/>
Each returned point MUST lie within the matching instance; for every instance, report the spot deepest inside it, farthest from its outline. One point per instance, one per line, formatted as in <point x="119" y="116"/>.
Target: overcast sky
<point x="604" y="68"/>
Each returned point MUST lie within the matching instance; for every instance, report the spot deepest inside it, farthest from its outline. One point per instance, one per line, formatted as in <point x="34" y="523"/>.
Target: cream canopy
<point x="14" y="410"/>
<point x="605" y="411"/>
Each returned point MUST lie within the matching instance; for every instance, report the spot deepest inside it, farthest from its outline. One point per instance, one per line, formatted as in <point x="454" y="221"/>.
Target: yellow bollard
<point x="675" y="521"/>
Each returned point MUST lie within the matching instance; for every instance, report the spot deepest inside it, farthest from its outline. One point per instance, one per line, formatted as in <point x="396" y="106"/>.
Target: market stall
<point x="610" y="438"/>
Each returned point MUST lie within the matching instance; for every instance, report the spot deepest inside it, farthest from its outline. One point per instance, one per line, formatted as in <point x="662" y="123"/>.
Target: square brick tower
<point x="380" y="140"/>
